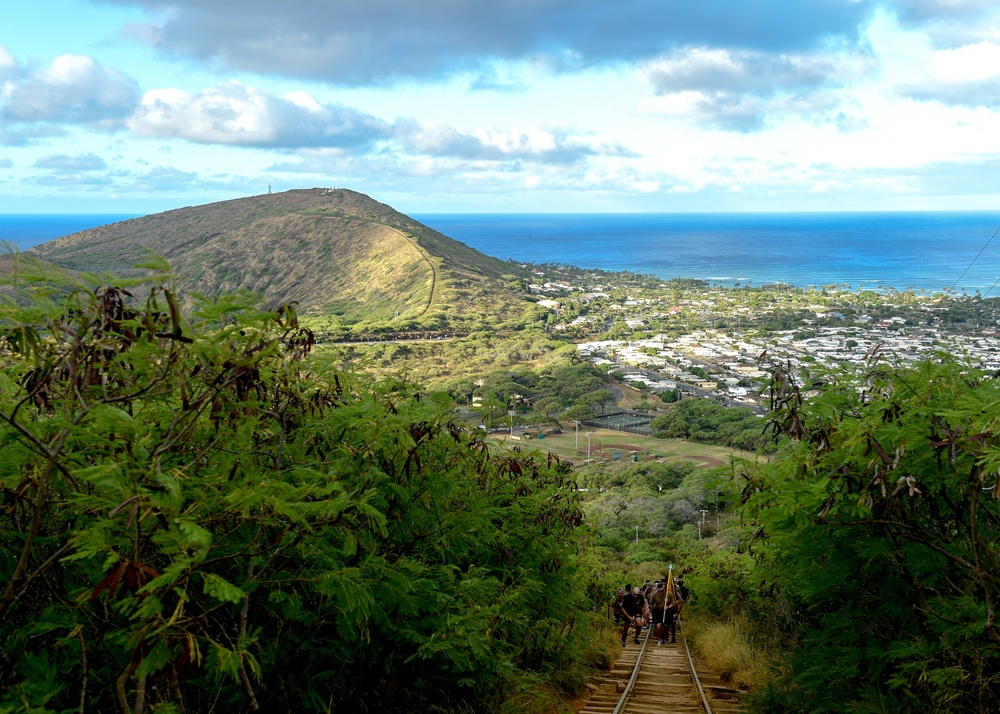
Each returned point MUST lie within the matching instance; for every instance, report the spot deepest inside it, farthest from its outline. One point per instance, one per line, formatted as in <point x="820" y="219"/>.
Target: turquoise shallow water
<point x="925" y="251"/>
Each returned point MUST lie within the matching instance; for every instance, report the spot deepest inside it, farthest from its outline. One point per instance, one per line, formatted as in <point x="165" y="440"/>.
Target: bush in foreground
<point x="875" y="538"/>
<point x="199" y="516"/>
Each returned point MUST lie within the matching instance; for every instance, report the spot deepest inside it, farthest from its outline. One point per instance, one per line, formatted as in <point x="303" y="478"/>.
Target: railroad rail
<point x="650" y="678"/>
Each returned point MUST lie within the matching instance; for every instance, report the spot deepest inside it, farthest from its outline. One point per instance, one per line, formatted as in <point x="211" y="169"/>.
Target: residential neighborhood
<point x="719" y="342"/>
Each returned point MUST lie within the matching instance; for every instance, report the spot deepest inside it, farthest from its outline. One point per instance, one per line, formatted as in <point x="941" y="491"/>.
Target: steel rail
<point x="623" y="700"/>
<point x="635" y="673"/>
<point x="694" y="673"/>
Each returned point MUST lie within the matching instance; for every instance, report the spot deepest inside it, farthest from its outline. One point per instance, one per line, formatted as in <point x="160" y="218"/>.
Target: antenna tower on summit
<point x="269" y="189"/>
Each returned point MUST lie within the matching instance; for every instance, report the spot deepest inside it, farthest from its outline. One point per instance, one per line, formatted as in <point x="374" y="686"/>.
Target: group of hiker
<point x="658" y="604"/>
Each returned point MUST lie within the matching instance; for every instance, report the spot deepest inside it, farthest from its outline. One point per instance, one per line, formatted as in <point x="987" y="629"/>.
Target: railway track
<point x="663" y="679"/>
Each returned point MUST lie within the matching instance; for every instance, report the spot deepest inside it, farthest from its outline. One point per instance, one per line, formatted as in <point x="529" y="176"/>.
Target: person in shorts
<point x="670" y="611"/>
<point x="632" y="606"/>
<point x="657" y="600"/>
<point x="620" y="616"/>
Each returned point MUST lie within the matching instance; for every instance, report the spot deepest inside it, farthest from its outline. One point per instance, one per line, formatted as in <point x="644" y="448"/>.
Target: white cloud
<point x="495" y="144"/>
<point x="236" y="114"/>
<point x="7" y="61"/>
<point x="74" y="89"/>
<point x="969" y="75"/>
<point x="163" y="178"/>
<point x="62" y="162"/>
<point x="739" y="90"/>
<point x="971" y="63"/>
<point x="374" y="41"/>
<point x="72" y="179"/>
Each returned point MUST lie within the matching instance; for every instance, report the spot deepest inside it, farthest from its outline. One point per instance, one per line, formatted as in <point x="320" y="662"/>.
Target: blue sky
<point x="138" y="106"/>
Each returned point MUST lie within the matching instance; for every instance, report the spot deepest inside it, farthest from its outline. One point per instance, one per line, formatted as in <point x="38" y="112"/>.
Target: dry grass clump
<point x="727" y="647"/>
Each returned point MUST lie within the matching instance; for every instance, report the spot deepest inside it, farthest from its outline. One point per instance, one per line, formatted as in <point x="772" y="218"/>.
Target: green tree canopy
<point x="877" y="535"/>
<point x="198" y="514"/>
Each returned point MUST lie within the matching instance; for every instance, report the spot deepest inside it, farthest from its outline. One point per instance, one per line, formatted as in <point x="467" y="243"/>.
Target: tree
<point x="199" y="514"/>
<point x="549" y="406"/>
<point x="878" y="528"/>
<point x="577" y="413"/>
<point x="492" y="409"/>
<point x="598" y="397"/>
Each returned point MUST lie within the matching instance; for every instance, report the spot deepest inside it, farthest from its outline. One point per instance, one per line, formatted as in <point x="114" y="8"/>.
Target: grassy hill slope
<point x="340" y="254"/>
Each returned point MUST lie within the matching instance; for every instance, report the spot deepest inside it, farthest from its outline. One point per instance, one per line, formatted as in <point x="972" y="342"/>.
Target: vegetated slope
<point x="337" y="252"/>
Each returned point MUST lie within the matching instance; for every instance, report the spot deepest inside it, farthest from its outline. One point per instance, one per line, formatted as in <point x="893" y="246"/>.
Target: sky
<point x="502" y="106"/>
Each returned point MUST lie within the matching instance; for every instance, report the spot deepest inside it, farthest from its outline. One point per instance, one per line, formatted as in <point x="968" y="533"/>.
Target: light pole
<point x="588" y="445"/>
<point x="511" y="415"/>
<point x="577" y="424"/>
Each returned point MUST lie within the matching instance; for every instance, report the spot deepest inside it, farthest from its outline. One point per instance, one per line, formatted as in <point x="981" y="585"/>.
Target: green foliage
<point x="705" y="421"/>
<point x="658" y="499"/>
<point x="578" y="412"/>
<point x="877" y="534"/>
<point x="598" y="397"/>
<point x="200" y="515"/>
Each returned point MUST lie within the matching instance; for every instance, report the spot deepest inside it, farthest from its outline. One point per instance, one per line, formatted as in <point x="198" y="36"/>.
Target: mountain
<point x="339" y="253"/>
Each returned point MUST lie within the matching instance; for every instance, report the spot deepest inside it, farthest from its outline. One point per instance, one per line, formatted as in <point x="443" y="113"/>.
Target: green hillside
<point x="340" y="254"/>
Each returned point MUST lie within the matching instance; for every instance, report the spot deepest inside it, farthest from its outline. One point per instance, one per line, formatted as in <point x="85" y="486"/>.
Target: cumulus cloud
<point x="74" y="89"/>
<point x="74" y="179"/>
<point x="7" y="62"/>
<point x="543" y="146"/>
<point x="163" y="178"/>
<point x="233" y="113"/>
<point x="936" y="9"/>
<point x="425" y="175"/>
<point x="236" y="114"/>
<point x="62" y="162"/>
<point x="951" y="23"/>
<point x="6" y="164"/>
<point x="968" y="75"/>
<point x="370" y="41"/>
<point x="738" y="89"/>
<point x="706" y="69"/>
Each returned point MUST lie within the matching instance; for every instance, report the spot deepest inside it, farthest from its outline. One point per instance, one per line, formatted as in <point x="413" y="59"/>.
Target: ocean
<point x="919" y="250"/>
<point x="24" y="230"/>
<point x="929" y="251"/>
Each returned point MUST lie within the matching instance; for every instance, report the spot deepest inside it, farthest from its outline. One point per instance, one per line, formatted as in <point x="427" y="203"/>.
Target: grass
<point x="604" y="441"/>
<point x="727" y="648"/>
<point x="371" y="263"/>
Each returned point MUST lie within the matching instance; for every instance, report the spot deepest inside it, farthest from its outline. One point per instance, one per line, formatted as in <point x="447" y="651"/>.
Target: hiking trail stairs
<point x="662" y="683"/>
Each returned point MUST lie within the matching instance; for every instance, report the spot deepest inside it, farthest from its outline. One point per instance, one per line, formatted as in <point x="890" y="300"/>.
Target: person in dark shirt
<point x="633" y="604"/>
<point x="682" y="590"/>
<point x="621" y="616"/>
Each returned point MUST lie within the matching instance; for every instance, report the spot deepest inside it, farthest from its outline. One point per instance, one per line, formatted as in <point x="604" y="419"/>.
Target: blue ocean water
<point x="25" y="230"/>
<point x="919" y="250"/>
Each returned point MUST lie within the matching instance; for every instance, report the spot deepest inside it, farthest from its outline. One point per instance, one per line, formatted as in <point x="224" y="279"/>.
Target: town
<point x="691" y="337"/>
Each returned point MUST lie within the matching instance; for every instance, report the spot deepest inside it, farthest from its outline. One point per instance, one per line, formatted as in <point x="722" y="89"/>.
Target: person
<point x="671" y="612"/>
<point x="620" y="615"/>
<point x="682" y="590"/>
<point x="632" y="605"/>
<point x="657" y="600"/>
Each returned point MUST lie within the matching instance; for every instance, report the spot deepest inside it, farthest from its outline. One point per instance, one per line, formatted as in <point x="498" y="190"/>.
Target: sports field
<point x="604" y="442"/>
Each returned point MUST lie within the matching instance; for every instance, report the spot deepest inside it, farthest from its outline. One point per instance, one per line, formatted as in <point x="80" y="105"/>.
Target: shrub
<point x="199" y="514"/>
